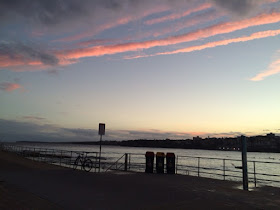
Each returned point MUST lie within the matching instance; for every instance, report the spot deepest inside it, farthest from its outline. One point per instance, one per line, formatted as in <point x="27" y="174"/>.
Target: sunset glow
<point x="148" y="69"/>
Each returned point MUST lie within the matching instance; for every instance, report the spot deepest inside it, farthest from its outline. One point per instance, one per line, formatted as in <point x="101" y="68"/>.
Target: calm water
<point x="187" y="161"/>
<point x="253" y="156"/>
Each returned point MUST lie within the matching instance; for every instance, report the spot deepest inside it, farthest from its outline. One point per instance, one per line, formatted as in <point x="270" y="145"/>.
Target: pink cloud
<point x="200" y="19"/>
<point x="8" y="87"/>
<point x="217" y="29"/>
<point x="117" y="22"/>
<point x="19" y="63"/>
<point x="175" y="16"/>
<point x="96" y="42"/>
<point x="6" y="61"/>
<point x="258" y="35"/>
<point x="33" y="118"/>
<point x="67" y="57"/>
<point x="253" y="36"/>
<point x="274" y="68"/>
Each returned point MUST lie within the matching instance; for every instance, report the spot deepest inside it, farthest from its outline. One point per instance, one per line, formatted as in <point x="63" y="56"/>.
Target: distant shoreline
<point x="228" y="144"/>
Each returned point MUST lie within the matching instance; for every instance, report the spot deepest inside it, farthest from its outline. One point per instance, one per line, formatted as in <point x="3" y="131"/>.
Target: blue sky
<point x="148" y="69"/>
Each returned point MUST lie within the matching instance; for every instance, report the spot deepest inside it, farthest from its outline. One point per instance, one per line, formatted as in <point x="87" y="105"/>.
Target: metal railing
<point x="67" y="158"/>
<point x="229" y="169"/>
<point x="117" y="164"/>
<point x="259" y="172"/>
<point x="52" y="156"/>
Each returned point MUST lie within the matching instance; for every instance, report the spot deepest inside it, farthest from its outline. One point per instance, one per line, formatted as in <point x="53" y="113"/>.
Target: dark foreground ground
<point x="25" y="184"/>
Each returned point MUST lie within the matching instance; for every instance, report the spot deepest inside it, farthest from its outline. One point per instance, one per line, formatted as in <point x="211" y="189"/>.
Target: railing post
<point x="95" y="164"/>
<point x="244" y="163"/>
<point x="176" y="165"/>
<point x="70" y="159"/>
<point x="39" y="155"/>
<point x="53" y="157"/>
<point x="255" y="179"/>
<point x="125" y="162"/>
<point x="198" y="164"/>
<point x="129" y="156"/>
<point x="224" y="168"/>
<point x="60" y="157"/>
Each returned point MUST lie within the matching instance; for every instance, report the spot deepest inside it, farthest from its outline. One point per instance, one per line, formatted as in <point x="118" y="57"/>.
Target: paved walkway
<point x="30" y="184"/>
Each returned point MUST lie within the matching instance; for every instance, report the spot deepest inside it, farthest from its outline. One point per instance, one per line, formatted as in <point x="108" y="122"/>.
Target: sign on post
<point x="101" y="129"/>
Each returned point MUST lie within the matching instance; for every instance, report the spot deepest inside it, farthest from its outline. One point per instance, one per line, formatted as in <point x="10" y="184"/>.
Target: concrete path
<point x="63" y="188"/>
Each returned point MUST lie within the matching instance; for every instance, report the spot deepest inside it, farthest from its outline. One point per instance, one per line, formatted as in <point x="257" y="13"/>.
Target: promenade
<point x="26" y="184"/>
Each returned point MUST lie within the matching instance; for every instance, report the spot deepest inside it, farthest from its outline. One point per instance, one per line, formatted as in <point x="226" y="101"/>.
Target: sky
<point x="147" y="69"/>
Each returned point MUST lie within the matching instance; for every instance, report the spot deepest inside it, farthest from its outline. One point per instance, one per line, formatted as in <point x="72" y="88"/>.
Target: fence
<point x="69" y="159"/>
<point x="259" y="172"/>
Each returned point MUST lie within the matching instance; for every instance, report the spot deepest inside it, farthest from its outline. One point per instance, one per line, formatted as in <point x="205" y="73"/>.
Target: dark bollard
<point x="149" y="162"/>
<point x="170" y="163"/>
<point x="160" y="162"/>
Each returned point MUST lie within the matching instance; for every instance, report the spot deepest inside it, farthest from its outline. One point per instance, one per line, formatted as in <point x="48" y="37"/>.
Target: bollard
<point x="170" y="163"/>
<point x="149" y="162"/>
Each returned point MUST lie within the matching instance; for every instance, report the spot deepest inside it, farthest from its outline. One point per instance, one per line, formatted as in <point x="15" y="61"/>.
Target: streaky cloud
<point x="241" y="7"/>
<point x="13" y="52"/>
<point x="175" y="16"/>
<point x="53" y="12"/>
<point x="257" y="35"/>
<point x="196" y="20"/>
<point x="125" y="19"/>
<point x="273" y="68"/>
<point x="221" y="28"/>
<point x="17" y="56"/>
<point x="33" y="118"/>
<point x="8" y="86"/>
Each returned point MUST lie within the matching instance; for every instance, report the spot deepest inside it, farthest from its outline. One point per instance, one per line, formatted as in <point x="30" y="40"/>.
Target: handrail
<point x="213" y="158"/>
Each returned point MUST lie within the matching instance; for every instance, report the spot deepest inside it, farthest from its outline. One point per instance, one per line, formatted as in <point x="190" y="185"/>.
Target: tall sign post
<point x="101" y="132"/>
<point x="244" y="163"/>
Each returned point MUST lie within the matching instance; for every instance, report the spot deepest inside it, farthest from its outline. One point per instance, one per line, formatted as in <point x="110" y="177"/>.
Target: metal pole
<point x="71" y="159"/>
<point x="198" y="163"/>
<point x="53" y="157"/>
<point x="129" y="161"/>
<point x="224" y="168"/>
<point x="244" y="163"/>
<point x="100" y="152"/>
<point x="39" y="154"/>
<point x="60" y="158"/>
<point x="125" y="162"/>
<point x="177" y="163"/>
<point x="255" y="179"/>
<point x="95" y="162"/>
